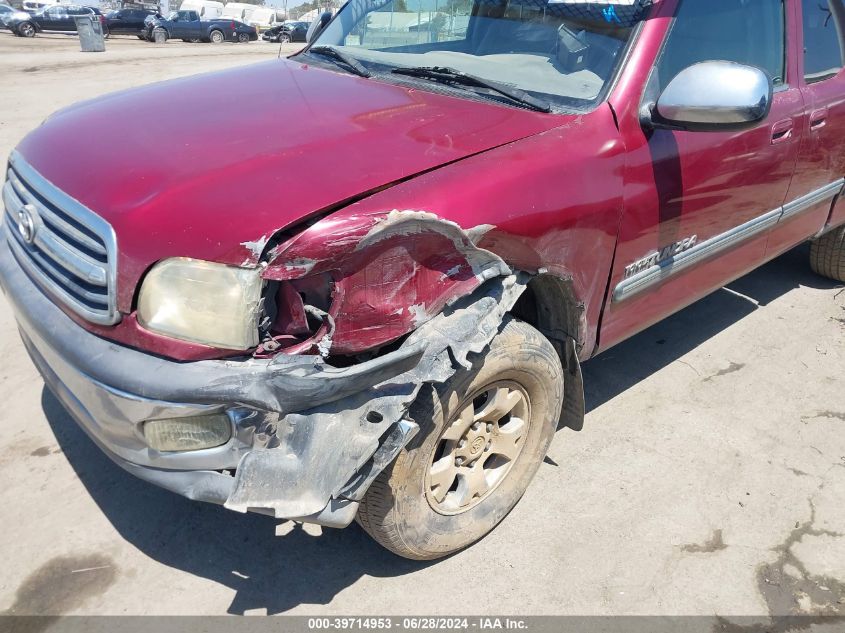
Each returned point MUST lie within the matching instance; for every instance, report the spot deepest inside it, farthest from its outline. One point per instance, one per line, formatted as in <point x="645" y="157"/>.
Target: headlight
<point x="203" y="302"/>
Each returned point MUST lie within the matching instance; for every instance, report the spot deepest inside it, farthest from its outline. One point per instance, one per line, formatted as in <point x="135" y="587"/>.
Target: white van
<point x="263" y="18"/>
<point x="31" y="6"/>
<point x="238" y="11"/>
<point x="207" y="9"/>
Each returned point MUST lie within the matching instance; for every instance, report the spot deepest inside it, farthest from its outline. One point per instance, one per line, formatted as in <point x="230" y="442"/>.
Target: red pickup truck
<point x="381" y="312"/>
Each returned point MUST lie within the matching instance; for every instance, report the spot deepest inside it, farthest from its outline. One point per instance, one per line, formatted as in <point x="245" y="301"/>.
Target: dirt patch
<point x="733" y="367"/>
<point x="714" y="544"/>
<point x="826" y="415"/>
<point x="62" y="584"/>
<point x="796" y="599"/>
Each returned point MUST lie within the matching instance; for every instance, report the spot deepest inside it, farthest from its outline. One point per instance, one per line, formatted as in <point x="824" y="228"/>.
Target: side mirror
<point x="712" y="97"/>
<point x="318" y="25"/>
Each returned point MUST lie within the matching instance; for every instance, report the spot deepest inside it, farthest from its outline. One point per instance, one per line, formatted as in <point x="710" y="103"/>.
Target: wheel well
<point x="550" y="304"/>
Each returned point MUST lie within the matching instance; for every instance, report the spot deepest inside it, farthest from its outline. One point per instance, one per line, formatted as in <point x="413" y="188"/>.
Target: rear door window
<point x="823" y="39"/>
<point x="750" y="32"/>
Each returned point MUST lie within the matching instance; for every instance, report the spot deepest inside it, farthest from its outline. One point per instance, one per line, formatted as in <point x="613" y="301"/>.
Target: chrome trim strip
<point x="814" y="197"/>
<point x="53" y="246"/>
<point x="665" y="269"/>
<point x="658" y="273"/>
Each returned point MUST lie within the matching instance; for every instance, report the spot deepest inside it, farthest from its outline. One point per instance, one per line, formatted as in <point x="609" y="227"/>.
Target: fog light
<point x="188" y="434"/>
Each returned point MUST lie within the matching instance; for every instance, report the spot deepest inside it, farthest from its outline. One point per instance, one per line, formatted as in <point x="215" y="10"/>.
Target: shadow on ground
<point x="279" y="573"/>
<point x="240" y="551"/>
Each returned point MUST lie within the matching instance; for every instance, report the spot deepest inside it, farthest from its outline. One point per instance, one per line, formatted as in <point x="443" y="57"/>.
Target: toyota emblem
<point x="26" y="223"/>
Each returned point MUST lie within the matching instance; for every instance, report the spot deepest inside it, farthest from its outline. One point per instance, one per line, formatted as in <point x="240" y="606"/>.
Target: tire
<point x="27" y="29"/>
<point x="159" y="36"/>
<point x="243" y="38"/>
<point x="284" y="38"/>
<point x="216" y="37"/>
<point x="827" y="254"/>
<point x="406" y="511"/>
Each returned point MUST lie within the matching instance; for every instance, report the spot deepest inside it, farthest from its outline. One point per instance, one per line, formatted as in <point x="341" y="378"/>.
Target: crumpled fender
<point x="332" y="452"/>
<point x="392" y="273"/>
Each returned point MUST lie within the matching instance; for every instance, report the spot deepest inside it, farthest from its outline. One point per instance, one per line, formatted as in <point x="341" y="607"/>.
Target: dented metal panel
<point x="326" y="452"/>
<point x="391" y="273"/>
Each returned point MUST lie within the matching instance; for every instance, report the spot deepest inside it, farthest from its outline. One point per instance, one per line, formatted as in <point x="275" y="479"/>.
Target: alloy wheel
<point x="478" y="448"/>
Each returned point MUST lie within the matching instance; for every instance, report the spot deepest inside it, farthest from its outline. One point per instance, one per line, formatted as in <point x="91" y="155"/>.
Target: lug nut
<point x="459" y="461"/>
<point x="489" y="428"/>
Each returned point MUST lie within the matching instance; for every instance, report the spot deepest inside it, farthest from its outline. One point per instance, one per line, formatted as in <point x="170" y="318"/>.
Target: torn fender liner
<point x="321" y="450"/>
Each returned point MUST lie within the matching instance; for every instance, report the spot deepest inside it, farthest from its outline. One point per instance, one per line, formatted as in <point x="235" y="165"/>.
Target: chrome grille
<point x="64" y="246"/>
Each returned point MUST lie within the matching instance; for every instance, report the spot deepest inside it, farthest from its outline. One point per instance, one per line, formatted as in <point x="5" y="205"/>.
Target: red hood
<point x="201" y="166"/>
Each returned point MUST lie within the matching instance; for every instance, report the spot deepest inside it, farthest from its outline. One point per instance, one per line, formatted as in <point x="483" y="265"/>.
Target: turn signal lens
<point x="192" y="433"/>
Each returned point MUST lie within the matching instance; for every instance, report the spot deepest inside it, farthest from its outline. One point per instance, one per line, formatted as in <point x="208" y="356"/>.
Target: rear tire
<point x="216" y="37"/>
<point x="407" y="511"/>
<point x="827" y="254"/>
<point x="284" y="39"/>
<point x="243" y="38"/>
<point x="26" y="30"/>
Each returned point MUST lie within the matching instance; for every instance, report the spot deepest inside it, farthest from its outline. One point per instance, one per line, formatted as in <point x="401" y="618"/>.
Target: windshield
<point x="565" y="51"/>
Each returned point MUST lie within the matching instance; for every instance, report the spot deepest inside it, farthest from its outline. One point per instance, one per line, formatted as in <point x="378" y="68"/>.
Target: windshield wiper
<point x="450" y="75"/>
<point x="353" y="64"/>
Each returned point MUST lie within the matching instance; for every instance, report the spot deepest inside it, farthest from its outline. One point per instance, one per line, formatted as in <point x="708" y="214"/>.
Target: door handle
<point x="782" y="131"/>
<point x="818" y="119"/>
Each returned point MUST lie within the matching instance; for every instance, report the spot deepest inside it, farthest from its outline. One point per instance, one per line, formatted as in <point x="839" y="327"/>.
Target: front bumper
<point x="302" y="430"/>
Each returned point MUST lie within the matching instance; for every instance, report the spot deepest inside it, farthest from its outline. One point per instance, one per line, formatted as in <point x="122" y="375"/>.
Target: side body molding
<point x="665" y="269"/>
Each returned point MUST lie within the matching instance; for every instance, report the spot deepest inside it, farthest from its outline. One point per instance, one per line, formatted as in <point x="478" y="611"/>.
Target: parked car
<point x="287" y="32"/>
<point x="128" y="21"/>
<point x="464" y="222"/>
<point x="14" y="15"/>
<point x="187" y="26"/>
<point x="52" y="19"/>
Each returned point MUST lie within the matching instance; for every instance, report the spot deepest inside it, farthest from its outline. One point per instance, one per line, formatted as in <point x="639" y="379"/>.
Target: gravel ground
<point x="709" y="477"/>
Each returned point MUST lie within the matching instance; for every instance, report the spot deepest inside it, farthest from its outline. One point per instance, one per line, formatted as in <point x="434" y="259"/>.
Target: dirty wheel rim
<point x="285" y="39"/>
<point x="478" y="448"/>
<point x="27" y="30"/>
<point x="243" y="38"/>
<point x="217" y="37"/>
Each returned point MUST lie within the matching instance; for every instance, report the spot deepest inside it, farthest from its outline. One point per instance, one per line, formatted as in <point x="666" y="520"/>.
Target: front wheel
<point x="159" y="36"/>
<point x="483" y="435"/>
<point x="284" y="38"/>
<point x="216" y="37"/>
<point x="26" y="30"/>
<point x="827" y="254"/>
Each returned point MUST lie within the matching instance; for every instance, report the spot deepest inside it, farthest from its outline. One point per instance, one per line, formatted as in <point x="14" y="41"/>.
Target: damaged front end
<point x="353" y="291"/>
<point x="357" y="313"/>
